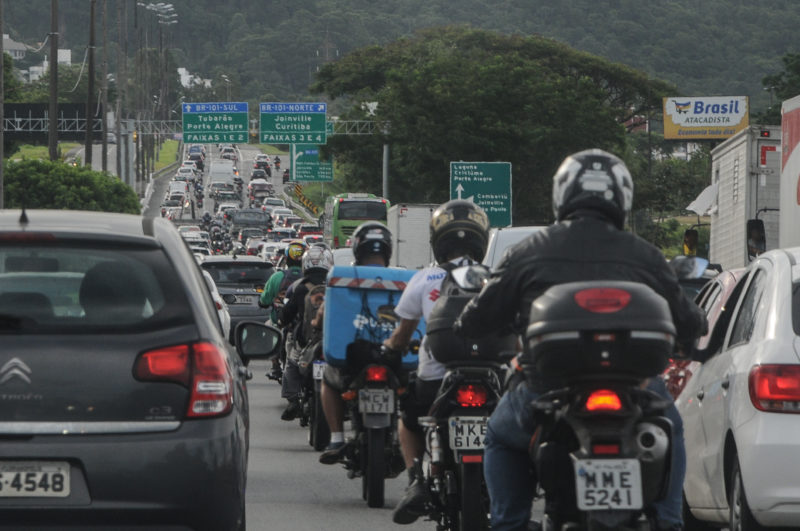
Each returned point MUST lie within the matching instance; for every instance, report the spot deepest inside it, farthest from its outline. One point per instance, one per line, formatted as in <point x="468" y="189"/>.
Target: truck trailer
<point x="746" y="170"/>
<point x="410" y="227"/>
<point x="789" y="230"/>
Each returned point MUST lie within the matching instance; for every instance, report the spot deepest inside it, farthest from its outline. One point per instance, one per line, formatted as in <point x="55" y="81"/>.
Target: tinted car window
<point x="796" y="307"/>
<point x="745" y="319"/>
<point x="252" y="217"/>
<point x="362" y="210"/>
<point x="71" y="288"/>
<point x="238" y="272"/>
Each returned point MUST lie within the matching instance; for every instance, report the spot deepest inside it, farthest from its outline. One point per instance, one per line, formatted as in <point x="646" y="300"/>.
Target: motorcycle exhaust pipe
<point x="652" y="442"/>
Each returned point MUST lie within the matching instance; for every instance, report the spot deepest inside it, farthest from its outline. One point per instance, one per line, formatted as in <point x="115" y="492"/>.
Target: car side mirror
<point x="256" y="340"/>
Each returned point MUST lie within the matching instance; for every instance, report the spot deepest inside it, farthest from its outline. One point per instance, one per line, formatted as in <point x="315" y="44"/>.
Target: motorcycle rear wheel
<point x="319" y="433"/>
<point x="473" y="513"/>
<point x="376" y="467"/>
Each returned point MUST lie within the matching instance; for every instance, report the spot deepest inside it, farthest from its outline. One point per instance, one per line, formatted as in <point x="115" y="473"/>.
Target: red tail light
<point x="200" y="366"/>
<point x="603" y="400"/>
<point x="471" y="395"/>
<point x="218" y="304"/>
<point x="335" y="241"/>
<point x="478" y="458"/>
<point x="775" y="388"/>
<point x="605" y="449"/>
<point x="377" y="373"/>
<point x="603" y="300"/>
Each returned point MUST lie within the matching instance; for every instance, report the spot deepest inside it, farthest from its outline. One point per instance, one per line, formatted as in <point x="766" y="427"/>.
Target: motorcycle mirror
<point x="471" y="278"/>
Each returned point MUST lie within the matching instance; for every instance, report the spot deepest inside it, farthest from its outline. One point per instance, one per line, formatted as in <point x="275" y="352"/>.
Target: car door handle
<point x="247" y="373"/>
<point x="725" y="383"/>
<point x="700" y="394"/>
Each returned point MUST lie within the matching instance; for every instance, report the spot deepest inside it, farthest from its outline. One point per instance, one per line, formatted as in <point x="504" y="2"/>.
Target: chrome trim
<point x="645" y="334"/>
<point x="85" y="428"/>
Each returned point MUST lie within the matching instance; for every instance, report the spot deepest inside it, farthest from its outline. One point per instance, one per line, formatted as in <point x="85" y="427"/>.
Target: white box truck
<point x="410" y="227"/>
<point x="789" y="231"/>
<point x="744" y="219"/>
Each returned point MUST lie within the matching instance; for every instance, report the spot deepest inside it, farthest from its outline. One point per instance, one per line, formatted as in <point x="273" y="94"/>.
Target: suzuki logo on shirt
<point x="434" y="295"/>
<point x="15" y="367"/>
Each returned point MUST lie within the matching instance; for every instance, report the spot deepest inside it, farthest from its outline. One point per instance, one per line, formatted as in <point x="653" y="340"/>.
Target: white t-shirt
<point x="417" y="302"/>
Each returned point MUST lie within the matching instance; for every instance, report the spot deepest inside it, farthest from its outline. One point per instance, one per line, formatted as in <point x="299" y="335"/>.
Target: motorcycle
<point x="371" y="404"/>
<point x="602" y="446"/>
<point x="456" y="426"/>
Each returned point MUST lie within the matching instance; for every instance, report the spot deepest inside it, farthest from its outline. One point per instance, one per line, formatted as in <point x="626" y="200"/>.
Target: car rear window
<point x="251" y="217"/>
<point x="238" y="272"/>
<point x="75" y="288"/>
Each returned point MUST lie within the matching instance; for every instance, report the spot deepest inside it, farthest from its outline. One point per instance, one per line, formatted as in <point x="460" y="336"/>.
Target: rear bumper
<point x="191" y="478"/>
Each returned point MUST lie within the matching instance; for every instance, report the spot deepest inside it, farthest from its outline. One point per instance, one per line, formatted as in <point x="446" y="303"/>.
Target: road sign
<point x="487" y="184"/>
<point x="293" y="123"/>
<point x="212" y="123"/>
<point x="306" y="166"/>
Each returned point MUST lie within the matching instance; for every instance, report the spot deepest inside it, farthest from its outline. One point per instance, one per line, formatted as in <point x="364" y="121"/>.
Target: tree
<point x="56" y="185"/>
<point x="781" y="86"/>
<point x="454" y="93"/>
<point x="12" y="88"/>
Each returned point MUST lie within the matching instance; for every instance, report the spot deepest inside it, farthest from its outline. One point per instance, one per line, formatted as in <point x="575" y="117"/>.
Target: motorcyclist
<point x="275" y="290"/>
<point x="592" y="196"/>
<point x="459" y="235"/>
<point x="317" y="261"/>
<point x="277" y="162"/>
<point x="372" y="246"/>
<point x="207" y="219"/>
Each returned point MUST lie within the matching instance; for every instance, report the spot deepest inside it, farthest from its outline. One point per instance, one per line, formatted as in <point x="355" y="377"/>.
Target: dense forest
<point x="273" y="50"/>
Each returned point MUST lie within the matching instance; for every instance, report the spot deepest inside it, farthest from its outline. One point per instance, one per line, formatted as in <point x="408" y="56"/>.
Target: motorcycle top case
<point x="584" y="329"/>
<point x="359" y="304"/>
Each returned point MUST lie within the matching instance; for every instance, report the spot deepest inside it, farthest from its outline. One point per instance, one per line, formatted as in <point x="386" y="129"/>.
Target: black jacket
<point x="585" y="247"/>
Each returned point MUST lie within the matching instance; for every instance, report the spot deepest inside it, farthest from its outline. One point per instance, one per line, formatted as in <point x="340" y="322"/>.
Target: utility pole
<point x="105" y="85"/>
<point x="52" y="134"/>
<point x="90" y="103"/>
<point x="2" y="102"/>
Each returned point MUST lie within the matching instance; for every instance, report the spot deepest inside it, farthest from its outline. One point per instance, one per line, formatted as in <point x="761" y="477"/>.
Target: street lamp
<point x="228" y="85"/>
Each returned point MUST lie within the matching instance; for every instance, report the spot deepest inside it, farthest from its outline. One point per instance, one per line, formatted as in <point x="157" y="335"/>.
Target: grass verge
<point x="167" y="155"/>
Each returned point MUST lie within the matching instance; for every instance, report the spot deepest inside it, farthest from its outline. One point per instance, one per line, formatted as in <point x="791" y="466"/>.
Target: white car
<point x="740" y="407"/>
<point x="184" y="173"/>
<point x="500" y="240"/>
<point x="222" y="307"/>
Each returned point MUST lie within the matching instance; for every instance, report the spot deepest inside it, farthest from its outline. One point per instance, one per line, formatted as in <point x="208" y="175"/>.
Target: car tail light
<point x="476" y="458"/>
<point x="603" y="300"/>
<point x="603" y="400"/>
<point x="218" y="305"/>
<point x="775" y="388"/>
<point x="605" y="449"/>
<point x="377" y="373"/>
<point x="335" y="241"/>
<point x="471" y="395"/>
<point x="199" y="366"/>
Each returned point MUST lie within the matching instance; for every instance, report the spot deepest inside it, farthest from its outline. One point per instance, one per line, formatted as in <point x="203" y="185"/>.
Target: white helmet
<point x="317" y="257"/>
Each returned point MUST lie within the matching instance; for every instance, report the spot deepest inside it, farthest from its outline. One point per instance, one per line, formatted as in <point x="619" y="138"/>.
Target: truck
<point x="746" y="172"/>
<point x="410" y="228"/>
<point x="789" y="229"/>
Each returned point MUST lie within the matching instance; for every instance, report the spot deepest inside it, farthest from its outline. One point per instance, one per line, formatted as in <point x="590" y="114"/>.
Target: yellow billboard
<point x="705" y="118"/>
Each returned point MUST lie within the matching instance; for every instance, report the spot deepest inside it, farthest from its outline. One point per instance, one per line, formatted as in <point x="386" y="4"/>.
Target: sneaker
<point x="292" y="411"/>
<point x="412" y="505"/>
<point x="333" y="453"/>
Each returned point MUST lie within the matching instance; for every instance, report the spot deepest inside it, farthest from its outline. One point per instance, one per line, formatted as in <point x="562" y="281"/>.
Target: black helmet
<point x="459" y="227"/>
<point x="206" y="217"/>
<point x="596" y="180"/>
<point x="371" y="237"/>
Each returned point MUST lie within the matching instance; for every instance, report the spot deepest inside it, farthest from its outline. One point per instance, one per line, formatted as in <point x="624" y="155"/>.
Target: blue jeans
<point x="508" y="469"/>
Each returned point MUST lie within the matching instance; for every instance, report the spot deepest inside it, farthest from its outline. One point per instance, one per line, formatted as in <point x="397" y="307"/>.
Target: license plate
<point x="34" y="479"/>
<point x="375" y="401"/>
<point x="467" y="433"/>
<point x="245" y="299"/>
<point x="604" y="484"/>
<point x="319" y="369"/>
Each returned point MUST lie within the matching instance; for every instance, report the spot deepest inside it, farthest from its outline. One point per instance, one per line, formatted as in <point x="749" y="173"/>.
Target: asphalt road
<point x="287" y="488"/>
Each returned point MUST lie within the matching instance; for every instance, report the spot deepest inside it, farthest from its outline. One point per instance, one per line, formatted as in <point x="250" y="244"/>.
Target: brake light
<point x="335" y="241"/>
<point x="603" y="300"/>
<point x="377" y="373"/>
<point x="775" y="388"/>
<point x="212" y="384"/>
<point x="478" y="458"/>
<point x="218" y="304"/>
<point x="605" y="449"/>
<point x="603" y="400"/>
<point x="471" y="395"/>
<point x="199" y="366"/>
<point x="170" y="364"/>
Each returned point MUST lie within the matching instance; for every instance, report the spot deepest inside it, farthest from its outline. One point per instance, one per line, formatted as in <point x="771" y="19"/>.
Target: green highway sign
<point x="487" y="184"/>
<point x="293" y="123"/>
<point x="211" y="123"/>
<point x="306" y="166"/>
